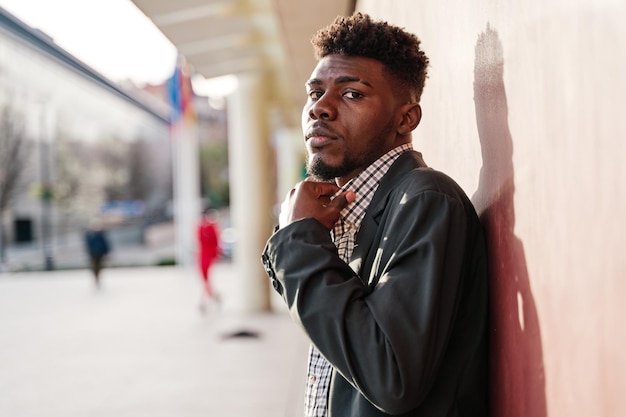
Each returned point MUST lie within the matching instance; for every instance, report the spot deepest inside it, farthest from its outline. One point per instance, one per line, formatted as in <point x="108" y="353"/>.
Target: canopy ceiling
<point x="220" y="37"/>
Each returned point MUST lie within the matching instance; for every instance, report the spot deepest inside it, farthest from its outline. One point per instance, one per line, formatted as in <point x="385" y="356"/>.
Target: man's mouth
<point x="318" y="141"/>
<point x="319" y="137"/>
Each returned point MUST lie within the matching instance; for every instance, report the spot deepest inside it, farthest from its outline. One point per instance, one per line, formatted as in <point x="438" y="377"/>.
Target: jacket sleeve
<point x="387" y="342"/>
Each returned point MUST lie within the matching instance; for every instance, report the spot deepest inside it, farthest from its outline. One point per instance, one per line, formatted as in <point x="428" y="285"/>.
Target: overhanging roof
<point x="220" y="37"/>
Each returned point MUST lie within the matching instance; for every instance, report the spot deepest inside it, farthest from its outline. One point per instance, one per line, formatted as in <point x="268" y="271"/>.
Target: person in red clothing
<point x="208" y="252"/>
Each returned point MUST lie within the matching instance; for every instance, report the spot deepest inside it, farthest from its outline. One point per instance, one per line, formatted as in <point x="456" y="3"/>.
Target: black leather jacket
<point x="406" y="335"/>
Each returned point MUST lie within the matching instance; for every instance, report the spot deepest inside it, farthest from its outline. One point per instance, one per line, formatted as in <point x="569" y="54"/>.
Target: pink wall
<point x="526" y="107"/>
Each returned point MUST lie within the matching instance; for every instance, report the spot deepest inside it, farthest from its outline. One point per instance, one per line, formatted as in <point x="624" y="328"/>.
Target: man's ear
<point x="411" y="116"/>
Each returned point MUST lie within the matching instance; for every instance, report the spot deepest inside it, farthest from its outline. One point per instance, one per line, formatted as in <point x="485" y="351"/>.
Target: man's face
<point x="350" y="117"/>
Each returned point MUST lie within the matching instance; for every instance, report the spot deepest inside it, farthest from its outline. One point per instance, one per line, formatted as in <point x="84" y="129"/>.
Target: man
<point x="380" y="259"/>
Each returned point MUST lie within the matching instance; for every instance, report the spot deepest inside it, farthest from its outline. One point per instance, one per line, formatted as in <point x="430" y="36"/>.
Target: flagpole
<point x="186" y="177"/>
<point x="187" y="206"/>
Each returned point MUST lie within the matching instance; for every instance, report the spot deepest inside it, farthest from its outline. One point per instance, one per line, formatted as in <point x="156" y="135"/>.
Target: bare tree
<point x="67" y="179"/>
<point x="140" y="181"/>
<point x="14" y="153"/>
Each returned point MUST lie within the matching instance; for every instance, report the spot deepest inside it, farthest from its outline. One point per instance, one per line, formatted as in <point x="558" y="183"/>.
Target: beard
<point x="321" y="171"/>
<point x="351" y="164"/>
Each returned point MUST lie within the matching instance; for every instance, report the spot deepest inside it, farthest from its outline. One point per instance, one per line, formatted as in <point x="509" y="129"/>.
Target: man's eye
<point x="352" y="94"/>
<point x="315" y="94"/>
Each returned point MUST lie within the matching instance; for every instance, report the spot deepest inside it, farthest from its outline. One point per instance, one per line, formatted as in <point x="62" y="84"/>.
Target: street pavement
<point x="138" y="346"/>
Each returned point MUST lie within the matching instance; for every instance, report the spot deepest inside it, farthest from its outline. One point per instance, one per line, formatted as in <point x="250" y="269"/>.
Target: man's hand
<point x="310" y="199"/>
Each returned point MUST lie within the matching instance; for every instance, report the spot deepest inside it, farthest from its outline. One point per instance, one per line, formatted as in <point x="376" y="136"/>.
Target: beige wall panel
<point x="524" y="107"/>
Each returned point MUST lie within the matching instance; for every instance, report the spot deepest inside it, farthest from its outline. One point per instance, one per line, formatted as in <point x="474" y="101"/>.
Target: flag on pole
<point x="186" y="179"/>
<point x="180" y="94"/>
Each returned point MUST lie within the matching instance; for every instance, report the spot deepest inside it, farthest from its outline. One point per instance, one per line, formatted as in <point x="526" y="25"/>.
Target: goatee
<point x="321" y="171"/>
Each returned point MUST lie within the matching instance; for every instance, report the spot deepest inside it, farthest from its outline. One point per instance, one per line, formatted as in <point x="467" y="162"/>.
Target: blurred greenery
<point x="214" y="173"/>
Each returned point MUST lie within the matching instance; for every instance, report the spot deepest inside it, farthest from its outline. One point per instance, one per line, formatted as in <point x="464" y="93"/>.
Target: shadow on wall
<point x="517" y="376"/>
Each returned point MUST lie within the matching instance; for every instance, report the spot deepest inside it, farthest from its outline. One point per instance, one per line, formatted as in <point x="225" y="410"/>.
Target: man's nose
<point x="323" y="108"/>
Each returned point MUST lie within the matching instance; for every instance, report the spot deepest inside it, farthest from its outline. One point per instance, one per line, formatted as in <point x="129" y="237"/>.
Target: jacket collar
<point x="405" y="163"/>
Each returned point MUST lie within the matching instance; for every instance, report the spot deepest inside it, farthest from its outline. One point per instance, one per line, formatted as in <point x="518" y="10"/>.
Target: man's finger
<point x="342" y="200"/>
<point x="325" y="189"/>
<point x="321" y="188"/>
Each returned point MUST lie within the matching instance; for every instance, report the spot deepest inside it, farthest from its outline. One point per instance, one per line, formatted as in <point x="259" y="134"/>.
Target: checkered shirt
<point x="364" y="185"/>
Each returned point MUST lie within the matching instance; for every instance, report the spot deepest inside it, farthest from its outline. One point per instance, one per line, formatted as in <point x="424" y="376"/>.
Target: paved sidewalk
<point x="138" y="346"/>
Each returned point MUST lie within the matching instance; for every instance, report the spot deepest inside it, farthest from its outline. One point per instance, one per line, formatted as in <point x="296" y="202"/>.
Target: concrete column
<point x="290" y="153"/>
<point x="251" y="190"/>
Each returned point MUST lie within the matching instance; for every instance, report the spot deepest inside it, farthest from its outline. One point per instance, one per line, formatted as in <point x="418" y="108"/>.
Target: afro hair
<point x="359" y="35"/>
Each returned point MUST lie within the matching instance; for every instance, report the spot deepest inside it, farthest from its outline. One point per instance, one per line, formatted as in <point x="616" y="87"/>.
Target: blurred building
<point x="212" y="135"/>
<point x="75" y="146"/>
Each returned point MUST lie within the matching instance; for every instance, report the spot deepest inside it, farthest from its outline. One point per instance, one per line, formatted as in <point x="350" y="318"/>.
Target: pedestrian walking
<point x="208" y="253"/>
<point x="98" y="247"/>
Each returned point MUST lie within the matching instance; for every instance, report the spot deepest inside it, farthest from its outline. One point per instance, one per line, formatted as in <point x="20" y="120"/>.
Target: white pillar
<point x="251" y="190"/>
<point x="290" y="159"/>
<point x="187" y="208"/>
